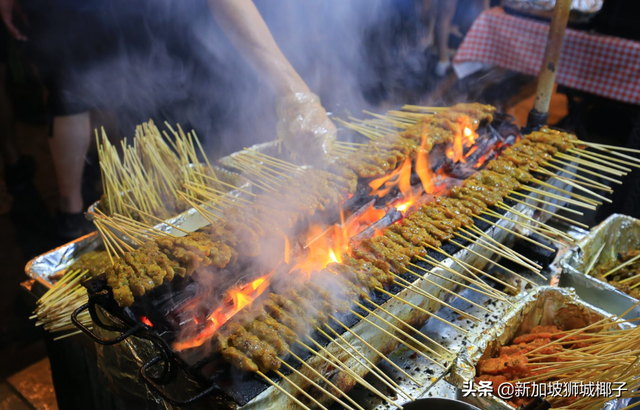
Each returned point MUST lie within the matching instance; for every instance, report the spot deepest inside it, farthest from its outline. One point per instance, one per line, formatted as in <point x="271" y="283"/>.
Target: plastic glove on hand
<point x="304" y="127"/>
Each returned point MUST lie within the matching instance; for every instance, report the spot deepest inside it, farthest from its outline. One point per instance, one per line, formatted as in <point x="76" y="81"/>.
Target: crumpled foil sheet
<point x="618" y="233"/>
<point x="43" y="267"/>
<point x="544" y="305"/>
<point x="121" y="363"/>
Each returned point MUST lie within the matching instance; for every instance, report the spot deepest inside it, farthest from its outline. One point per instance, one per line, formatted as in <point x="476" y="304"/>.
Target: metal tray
<point x="43" y="267"/>
<point x="618" y="233"/>
<point x="545" y="305"/>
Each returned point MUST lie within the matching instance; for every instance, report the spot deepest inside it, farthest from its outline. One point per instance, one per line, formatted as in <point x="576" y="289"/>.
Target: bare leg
<point x="428" y="23"/>
<point x="69" y="145"/>
<point x="446" y="9"/>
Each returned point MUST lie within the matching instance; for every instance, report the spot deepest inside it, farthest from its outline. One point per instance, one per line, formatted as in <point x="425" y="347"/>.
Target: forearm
<point x="242" y="23"/>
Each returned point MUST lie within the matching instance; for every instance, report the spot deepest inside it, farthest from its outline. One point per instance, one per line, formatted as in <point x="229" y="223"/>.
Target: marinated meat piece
<point x="516" y="364"/>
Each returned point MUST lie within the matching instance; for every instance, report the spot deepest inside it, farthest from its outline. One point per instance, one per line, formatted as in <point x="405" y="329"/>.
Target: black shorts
<point x="90" y="57"/>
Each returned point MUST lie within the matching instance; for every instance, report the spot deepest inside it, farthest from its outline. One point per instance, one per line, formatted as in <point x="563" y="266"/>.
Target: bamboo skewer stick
<point x="581" y="188"/>
<point x="497" y="244"/>
<point x="590" y="164"/>
<point x="550" y="204"/>
<point x="433" y="315"/>
<point x="372" y="369"/>
<point x="618" y="154"/>
<point x="564" y="218"/>
<point x="410" y="286"/>
<point x="586" y="171"/>
<point x="630" y="261"/>
<point x="609" y="162"/>
<point x="558" y="197"/>
<point x="526" y="238"/>
<point x="289" y="395"/>
<point x="413" y="329"/>
<point x="367" y="363"/>
<point x="335" y="361"/>
<point x="494" y="262"/>
<point x="444" y="289"/>
<point x="467" y="268"/>
<point x="301" y="390"/>
<point x="491" y="293"/>
<point x="540" y="230"/>
<point x="373" y="349"/>
<point x="492" y="248"/>
<point x="611" y="147"/>
<point x="402" y="332"/>
<point x="402" y="342"/>
<point x="576" y="176"/>
<point x="316" y="385"/>
<point x="606" y="157"/>
<point x="324" y="379"/>
<point x="569" y="193"/>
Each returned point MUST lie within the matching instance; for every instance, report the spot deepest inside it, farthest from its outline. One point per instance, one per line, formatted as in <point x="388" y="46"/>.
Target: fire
<point x="400" y="177"/>
<point x="461" y="140"/>
<point x="235" y="300"/>
<point x="423" y="169"/>
<point x="333" y="256"/>
<point x="324" y="247"/>
<point x="146" y="321"/>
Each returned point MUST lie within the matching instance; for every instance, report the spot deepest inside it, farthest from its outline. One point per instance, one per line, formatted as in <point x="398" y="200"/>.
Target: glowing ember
<point x="146" y="321"/>
<point x="237" y="299"/>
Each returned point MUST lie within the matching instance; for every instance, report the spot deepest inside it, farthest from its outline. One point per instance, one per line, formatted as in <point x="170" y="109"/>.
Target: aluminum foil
<point x="43" y="267"/>
<point x="618" y="233"/>
<point x="544" y="305"/>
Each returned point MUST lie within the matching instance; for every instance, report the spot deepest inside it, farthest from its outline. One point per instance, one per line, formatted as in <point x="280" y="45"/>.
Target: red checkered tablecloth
<point x="598" y="64"/>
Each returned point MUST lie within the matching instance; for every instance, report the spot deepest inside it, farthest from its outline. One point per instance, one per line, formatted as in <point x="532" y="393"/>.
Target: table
<point x="598" y="64"/>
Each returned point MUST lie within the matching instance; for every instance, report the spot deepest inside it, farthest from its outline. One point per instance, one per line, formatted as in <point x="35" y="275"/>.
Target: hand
<point x="7" y="10"/>
<point x="304" y="127"/>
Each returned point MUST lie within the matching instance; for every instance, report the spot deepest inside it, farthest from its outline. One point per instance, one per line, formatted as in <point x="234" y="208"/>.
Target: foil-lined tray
<point x="582" y="11"/>
<point x="544" y="305"/>
<point x="42" y="268"/>
<point x="618" y="233"/>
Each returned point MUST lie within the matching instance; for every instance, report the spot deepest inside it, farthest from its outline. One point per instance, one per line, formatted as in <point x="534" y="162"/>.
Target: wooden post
<point x="540" y="112"/>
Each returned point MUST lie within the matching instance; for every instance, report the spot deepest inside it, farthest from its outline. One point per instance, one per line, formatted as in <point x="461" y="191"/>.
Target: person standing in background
<point x="70" y="38"/>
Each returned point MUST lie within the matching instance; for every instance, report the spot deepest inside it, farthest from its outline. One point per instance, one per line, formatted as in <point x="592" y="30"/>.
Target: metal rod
<point x="540" y="112"/>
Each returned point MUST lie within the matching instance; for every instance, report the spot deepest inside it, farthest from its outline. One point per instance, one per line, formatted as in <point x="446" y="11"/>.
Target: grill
<point x="159" y="315"/>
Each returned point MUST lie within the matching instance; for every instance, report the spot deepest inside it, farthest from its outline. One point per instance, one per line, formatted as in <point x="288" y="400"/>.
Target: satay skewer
<point x="507" y="253"/>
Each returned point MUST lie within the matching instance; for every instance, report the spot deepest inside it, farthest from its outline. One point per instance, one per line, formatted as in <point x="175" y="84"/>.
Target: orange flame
<point x="237" y="299"/>
<point x="400" y="177"/>
<point x="423" y="169"/>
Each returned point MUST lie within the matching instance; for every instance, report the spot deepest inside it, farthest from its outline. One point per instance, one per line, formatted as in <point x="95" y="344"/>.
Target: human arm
<point x="303" y="124"/>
